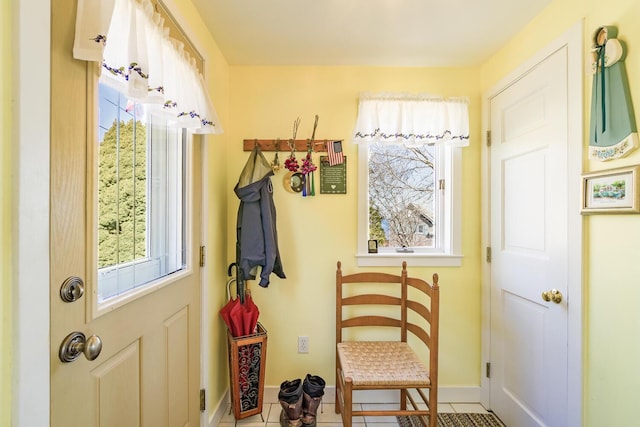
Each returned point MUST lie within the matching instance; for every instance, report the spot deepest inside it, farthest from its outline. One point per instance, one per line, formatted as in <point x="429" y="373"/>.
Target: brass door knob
<point x="76" y="344"/>
<point x="552" y="295"/>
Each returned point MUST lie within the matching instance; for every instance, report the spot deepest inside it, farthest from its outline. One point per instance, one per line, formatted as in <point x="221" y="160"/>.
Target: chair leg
<point x="339" y="391"/>
<point x="433" y="407"/>
<point x="347" y="418"/>
<point x="403" y="399"/>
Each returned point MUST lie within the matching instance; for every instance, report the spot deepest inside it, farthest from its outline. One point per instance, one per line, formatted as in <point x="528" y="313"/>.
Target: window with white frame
<point x="409" y="178"/>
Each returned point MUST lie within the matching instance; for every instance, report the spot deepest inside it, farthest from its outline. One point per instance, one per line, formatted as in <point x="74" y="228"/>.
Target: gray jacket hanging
<point x="257" y="237"/>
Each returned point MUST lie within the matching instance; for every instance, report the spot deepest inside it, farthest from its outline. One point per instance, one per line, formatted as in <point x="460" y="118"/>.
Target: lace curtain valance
<point x="412" y="120"/>
<point x="140" y="60"/>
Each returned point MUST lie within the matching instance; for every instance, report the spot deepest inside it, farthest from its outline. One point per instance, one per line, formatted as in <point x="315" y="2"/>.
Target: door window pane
<point x="141" y="196"/>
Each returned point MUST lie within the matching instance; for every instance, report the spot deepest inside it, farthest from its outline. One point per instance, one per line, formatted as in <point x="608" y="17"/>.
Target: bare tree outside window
<point x="401" y="195"/>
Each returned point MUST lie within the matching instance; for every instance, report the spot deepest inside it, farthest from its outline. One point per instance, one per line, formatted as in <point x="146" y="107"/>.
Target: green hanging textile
<point x="613" y="131"/>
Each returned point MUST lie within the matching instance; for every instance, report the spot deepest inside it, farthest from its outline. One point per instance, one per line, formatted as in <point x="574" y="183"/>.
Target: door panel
<point x="529" y="239"/>
<point x="148" y="371"/>
<point x="117" y="381"/>
<point x="524" y="203"/>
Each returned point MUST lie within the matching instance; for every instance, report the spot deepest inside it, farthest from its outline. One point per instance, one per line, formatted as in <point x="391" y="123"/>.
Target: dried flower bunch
<point x="307" y="165"/>
<point x="275" y="164"/>
<point x="291" y="163"/>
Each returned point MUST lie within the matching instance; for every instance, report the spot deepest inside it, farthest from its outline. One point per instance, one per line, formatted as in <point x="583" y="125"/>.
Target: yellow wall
<point x="5" y="213"/>
<point x="315" y="232"/>
<point x="612" y="291"/>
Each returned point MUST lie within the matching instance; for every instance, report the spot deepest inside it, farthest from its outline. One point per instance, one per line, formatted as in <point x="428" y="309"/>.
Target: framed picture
<point x="373" y="246"/>
<point x="611" y="191"/>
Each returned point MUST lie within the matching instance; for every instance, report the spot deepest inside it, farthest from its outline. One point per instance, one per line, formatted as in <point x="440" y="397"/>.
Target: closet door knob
<point x="552" y="295"/>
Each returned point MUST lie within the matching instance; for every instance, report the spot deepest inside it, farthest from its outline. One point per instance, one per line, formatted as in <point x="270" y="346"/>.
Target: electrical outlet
<point x="303" y="344"/>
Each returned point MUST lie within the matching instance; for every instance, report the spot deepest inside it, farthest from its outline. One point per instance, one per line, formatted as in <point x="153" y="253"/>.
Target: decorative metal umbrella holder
<point x="247" y="361"/>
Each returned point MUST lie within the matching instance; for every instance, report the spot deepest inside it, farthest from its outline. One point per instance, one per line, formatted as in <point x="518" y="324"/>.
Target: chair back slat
<point x="420" y="309"/>
<point x="373" y="299"/>
<point x="370" y="321"/>
<point x="371" y="277"/>
<point x="420" y="333"/>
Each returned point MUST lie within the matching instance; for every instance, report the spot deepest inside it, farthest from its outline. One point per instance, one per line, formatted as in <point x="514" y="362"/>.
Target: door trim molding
<point x="30" y="243"/>
<point x="573" y="40"/>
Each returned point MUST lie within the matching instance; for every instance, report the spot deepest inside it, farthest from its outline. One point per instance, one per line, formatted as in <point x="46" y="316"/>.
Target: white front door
<point x="147" y="373"/>
<point x="529" y="223"/>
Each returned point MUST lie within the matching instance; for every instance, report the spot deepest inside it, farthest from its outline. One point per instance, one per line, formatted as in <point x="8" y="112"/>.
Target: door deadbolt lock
<point x="72" y="289"/>
<point x="76" y="344"/>
<point x="552" y="295"/>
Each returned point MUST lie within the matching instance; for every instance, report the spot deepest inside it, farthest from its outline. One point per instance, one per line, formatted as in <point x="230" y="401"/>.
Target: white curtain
<point x="140" y="60"/>
<point x="412" y="120"/>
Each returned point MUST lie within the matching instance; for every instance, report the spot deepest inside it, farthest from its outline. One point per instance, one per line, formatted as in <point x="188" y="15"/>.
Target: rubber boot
<point x="313" y="390"/>
<point x="290" y="398"/>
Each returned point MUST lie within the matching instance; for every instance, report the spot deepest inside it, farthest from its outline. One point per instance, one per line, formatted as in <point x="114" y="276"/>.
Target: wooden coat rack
<point x="319" y="145"/>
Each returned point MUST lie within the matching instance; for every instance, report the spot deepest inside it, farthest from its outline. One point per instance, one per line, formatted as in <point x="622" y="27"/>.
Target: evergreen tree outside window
<point x="122" y="203"/>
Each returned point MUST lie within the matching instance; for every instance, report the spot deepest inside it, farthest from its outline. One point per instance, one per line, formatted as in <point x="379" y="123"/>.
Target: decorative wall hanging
<point x="333" y="179"/>
<point x="308" y="168"/>
<point x="611" y="191"/>
<point x="613" y="131"/>
<point x="299" y="176"/>
<point x="293" y="182"/>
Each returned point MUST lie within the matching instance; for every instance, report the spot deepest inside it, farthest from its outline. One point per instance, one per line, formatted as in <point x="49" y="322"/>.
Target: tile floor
<point x="329" y="418"/>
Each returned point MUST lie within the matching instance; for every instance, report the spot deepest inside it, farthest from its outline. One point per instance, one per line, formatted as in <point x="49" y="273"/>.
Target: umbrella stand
<point x="247" y="351"/>
<point x="247" y="362"/>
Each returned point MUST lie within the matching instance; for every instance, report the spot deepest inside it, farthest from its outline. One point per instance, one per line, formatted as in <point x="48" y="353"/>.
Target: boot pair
<point x="300" y="401"/>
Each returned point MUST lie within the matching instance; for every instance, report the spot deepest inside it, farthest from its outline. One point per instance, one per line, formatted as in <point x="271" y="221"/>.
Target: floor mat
<point x="455" y="420"/>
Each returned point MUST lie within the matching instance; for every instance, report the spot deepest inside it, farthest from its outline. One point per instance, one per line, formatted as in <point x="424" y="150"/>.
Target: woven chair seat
<point x="382" y="363"/>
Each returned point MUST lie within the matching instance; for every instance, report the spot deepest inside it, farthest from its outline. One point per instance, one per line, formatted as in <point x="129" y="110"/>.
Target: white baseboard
<point x="459" y="394"/>
<point x="218" y="413"/>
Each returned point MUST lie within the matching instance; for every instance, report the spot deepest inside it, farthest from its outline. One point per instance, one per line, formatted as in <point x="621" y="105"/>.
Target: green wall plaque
<point x="333" y="179"/>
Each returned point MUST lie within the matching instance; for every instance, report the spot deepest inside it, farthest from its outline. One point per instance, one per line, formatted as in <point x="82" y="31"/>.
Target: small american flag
<point x="334" y="149"/>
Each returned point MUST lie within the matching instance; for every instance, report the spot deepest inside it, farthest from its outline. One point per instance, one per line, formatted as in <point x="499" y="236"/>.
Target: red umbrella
<point x="249" y="315"/>
<point x="237" y="321"/>
<point x="225" y="311"/>
<point x="240" y="318"/>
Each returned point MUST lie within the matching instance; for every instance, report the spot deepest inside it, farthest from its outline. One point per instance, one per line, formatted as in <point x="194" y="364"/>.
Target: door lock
<point x="552" y="295"/>
<point x="72" y="289"/>
<point x="76" y="344"/>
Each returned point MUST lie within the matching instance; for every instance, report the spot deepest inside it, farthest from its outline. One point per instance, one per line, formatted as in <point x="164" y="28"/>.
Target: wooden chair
<point x="384" y="364"/>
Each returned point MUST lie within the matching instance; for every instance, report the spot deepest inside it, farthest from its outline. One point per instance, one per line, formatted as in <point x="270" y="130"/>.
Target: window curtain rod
<point x="139" y="59"/>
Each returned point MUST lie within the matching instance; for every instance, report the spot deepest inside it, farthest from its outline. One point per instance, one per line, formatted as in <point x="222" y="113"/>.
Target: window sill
<point x="413" y="259"/>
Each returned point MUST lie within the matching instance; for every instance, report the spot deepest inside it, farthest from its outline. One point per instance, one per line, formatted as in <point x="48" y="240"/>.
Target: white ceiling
<point x="364" y="32"/>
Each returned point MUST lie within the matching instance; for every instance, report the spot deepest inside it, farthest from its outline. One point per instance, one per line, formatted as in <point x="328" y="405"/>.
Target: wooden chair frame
<point x="345" y="384"/>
